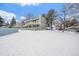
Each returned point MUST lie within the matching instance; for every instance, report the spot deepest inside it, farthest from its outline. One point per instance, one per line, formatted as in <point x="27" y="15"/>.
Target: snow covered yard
<point x="40" y="43"/>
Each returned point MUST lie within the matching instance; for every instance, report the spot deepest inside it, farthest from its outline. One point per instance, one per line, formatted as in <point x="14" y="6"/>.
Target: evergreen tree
<point x="13" y="22"/>
<point x="1" y="21"/>
<point x="50" y="17"/>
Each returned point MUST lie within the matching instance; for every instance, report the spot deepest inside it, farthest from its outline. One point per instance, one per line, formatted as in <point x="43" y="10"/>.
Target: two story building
<point x="37" y="23"/>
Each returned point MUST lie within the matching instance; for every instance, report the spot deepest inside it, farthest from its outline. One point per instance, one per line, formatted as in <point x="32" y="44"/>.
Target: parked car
<point x="77" y="28"/>
<point x="48" y="28"/>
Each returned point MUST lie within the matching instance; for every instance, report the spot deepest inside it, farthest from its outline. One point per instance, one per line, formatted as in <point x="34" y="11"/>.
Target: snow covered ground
<point x="40" y="43"/>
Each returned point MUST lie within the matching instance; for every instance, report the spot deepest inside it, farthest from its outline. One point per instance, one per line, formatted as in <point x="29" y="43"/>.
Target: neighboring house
<point x="77" y="28"/>
<point x="68" y="23"/>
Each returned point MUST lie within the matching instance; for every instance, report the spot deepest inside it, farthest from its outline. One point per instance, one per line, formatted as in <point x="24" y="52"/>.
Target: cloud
<point x="28" y="4"/>
<point x="22" y="17"/>
<point x="7" y="15"/>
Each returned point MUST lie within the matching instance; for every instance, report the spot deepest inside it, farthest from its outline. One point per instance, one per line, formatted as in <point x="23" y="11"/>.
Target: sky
<point x="8" y="10"/>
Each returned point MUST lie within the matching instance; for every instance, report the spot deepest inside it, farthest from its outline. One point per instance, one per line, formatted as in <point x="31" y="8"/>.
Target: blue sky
<point x="22" y="10"/>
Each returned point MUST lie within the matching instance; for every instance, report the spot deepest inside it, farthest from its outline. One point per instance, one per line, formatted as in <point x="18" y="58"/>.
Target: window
<point x="37" y="25"/>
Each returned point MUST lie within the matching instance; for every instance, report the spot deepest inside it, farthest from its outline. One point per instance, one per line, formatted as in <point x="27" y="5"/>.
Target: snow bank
<point x="6" y="31"/>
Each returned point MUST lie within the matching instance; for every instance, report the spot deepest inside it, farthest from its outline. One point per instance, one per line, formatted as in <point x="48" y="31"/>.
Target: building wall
<point x="42" y="23"/>
<point x="38" y="23"/>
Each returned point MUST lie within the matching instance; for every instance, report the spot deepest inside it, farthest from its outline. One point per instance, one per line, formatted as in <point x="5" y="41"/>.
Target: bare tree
<point x="65" y="12"/>
<point x="73" y="8"/>
<point x="69" y="9"/>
